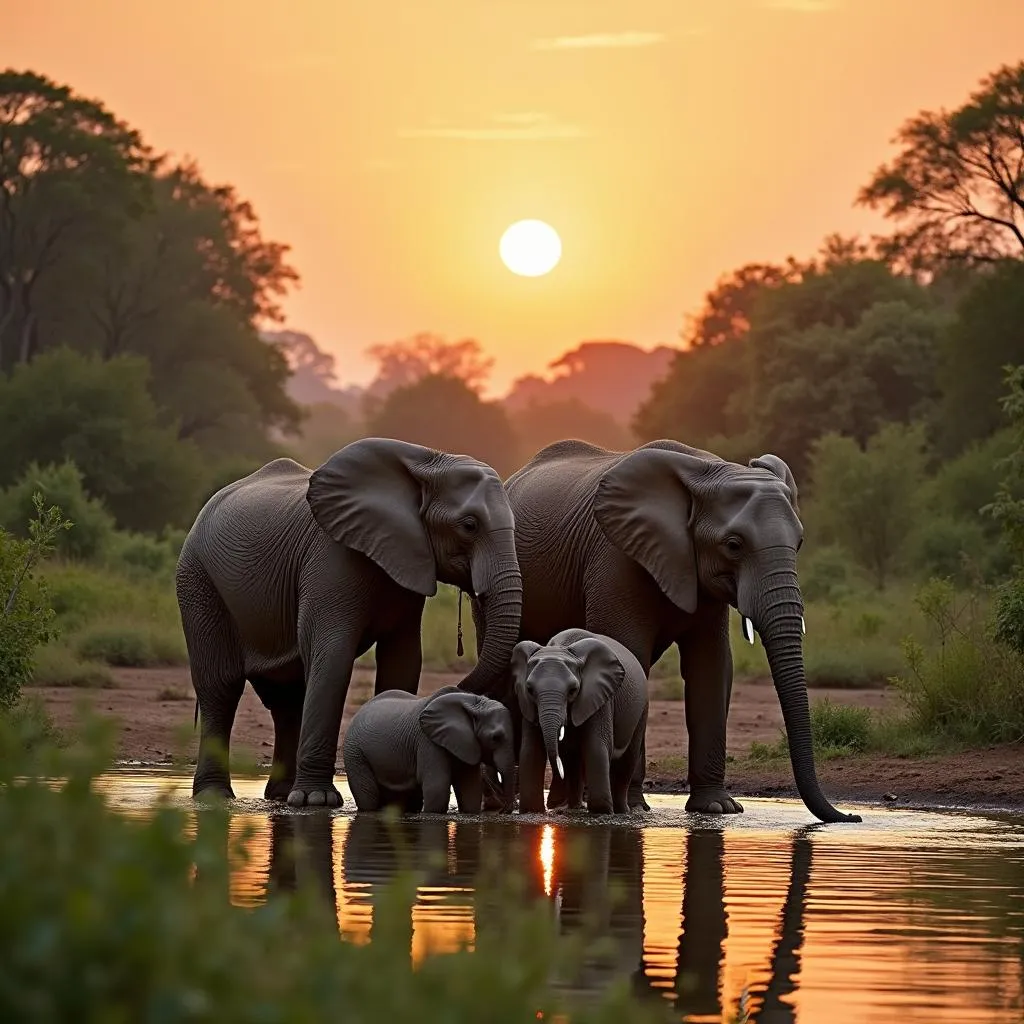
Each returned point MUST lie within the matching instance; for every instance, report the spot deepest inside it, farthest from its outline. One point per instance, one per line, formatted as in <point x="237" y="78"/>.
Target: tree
<point x="956" y="189"/>
<point x="68" y="168"/>
<point x="446" y="413"/>
<point x="986" y="334"/>
<point x="327" y="428"/>
<point x="405" y="362"/>
<point x="867" y="499"/>
<point x="542" y="423"/>
<point x="100" y="415"/>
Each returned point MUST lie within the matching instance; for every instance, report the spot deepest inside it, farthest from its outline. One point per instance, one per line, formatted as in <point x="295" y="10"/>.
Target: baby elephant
<point x="588" y="693"/>
<point x="408" y="750"/>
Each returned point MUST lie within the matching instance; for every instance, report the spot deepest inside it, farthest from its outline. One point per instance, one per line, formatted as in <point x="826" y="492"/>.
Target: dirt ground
<point x="155" y="708"/>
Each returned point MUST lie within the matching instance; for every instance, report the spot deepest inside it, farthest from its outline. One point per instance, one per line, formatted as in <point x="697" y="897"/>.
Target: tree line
<point x="132" y="293"/>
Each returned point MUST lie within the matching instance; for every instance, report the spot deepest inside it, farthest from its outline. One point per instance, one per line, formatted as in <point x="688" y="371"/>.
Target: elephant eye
<point x="734" y="544"/>
<point x="470" y="524"/>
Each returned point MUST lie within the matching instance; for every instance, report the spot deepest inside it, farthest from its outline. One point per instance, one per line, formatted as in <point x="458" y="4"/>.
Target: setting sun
<point x="530" y="248"/>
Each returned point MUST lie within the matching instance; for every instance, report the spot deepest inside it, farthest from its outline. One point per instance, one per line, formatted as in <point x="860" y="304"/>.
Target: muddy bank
<point x="155" y="709"/>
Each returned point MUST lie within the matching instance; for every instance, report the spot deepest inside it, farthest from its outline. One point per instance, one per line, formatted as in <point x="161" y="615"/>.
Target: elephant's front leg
<point x="434" y="775"/>
<point x="468" y="783"/>
<point x="596" y="758"/>
<point x="328" y="674"/>
<point x="399" y="658"/>
<point x="531" y="770"/>
<point x="705" y="659"/>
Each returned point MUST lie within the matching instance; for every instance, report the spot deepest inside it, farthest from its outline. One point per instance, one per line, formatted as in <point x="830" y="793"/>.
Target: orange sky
<point x="391" y="142"/>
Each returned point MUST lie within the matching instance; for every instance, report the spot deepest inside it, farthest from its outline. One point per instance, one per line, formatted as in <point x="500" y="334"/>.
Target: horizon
<point x="631" y="136"/>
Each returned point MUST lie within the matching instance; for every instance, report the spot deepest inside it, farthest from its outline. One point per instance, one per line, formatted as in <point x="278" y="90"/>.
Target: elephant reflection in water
<point x="302" y="857"/>
<point x="701" y="949"/>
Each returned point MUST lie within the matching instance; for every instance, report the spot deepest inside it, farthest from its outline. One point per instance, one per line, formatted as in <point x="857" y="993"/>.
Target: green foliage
<point x="142" y="645"/>
<point x="867" y="499"/>
<point x="1009" y="614"/>
<point x="61" y="486"/>
<point x="962" y="685"/>
<point x="99" y="414"/>
<point x="58" y="665"/>
<point x="825" y="573"/>
<point x="77" y="887"/>
<point x="838" y="730"/>
<point x="26" y="615"/>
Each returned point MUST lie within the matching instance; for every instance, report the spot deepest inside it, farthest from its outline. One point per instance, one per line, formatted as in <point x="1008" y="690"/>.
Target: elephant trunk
<point x="776" y="608"/>
<point x="551" y="715"/>
<point x="499" y="585"/>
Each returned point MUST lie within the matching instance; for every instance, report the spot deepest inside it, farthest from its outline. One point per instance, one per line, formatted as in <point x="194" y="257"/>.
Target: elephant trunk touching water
<point x="770" y="597"/>
<point x="498" y="585"/>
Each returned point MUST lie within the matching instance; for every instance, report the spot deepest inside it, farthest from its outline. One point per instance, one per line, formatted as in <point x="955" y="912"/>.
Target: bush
<point x="142" y="556"/>
<point x="59" y="485"/>
<point x="77" y="888"/>
<point x="956" y="549"/>
<point x="824" y="573"/>
<point x="26" y="615"/>
<point x="131" y="645"/>
<point x="55" y="665"/>
<point x="963" y="686"/>
<point x="837" y="730"/>
<point x="1009" y="615"/>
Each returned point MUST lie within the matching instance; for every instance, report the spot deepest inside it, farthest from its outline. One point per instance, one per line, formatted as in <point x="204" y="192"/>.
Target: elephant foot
<point x="278" y="789"/>
<point x="712" y="800"/>
<point x="212" y="792"/>
<point x="314" y="795"/>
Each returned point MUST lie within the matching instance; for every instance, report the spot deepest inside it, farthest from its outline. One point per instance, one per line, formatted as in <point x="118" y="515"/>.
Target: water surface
<point x="908" y="916"/>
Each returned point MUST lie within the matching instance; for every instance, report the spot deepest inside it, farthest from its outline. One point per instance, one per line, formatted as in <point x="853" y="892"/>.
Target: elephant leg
<point x="469" y="789"/>
<point x="628" y="767"/>
<point x="284" y="702"/>
<point x="363" y="783"/>
<point x="706" y="661"/>
<point x="635" y="797"/>
<point x="531" y="770"/>
<point x="434" y="774"/>
<point x="328" y="675"/>
<point x="399" y="658"/>
<point x="596" y="750"/>
<point x="217" y="665"/>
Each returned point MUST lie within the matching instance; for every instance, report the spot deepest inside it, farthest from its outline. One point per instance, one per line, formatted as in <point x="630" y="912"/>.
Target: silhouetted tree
<point x="956" y="189"/>
<point x="542" y="423"/>
<point x="409" y="360"/>
<point x="446" y="413"/>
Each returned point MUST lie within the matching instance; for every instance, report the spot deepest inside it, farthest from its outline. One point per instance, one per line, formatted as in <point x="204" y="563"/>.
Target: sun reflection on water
<point x="547" y="856"/>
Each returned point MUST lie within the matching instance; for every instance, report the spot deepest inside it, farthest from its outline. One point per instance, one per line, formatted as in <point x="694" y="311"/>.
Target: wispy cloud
<point x="806" y="6"/>
<point x="600" y="41"/>
<point x="529" y="126"/>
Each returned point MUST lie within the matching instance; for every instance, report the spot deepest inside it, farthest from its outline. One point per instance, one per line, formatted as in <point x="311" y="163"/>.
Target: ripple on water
<point x="905" y="916"/>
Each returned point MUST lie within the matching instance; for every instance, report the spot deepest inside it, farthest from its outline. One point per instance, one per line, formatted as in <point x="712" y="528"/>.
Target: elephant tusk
<point x="803" y="626"/>
<point x="561" y="734"/>
<point x="501" y="781"/>
<point x="558" y="767"/>
<point x="748" y="630"/>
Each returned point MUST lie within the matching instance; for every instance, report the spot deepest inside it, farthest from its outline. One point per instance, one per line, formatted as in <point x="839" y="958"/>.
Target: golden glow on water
<point x="547" y="856"/>
<point x="860" y="925"/>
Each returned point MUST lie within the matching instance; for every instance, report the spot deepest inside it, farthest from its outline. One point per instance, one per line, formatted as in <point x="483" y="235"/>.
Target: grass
<point x="170" y="693"/>
<point x="57" y="665"/>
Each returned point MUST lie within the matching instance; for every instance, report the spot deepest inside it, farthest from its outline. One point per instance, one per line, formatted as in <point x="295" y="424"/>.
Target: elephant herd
<point x="582" y="568"/>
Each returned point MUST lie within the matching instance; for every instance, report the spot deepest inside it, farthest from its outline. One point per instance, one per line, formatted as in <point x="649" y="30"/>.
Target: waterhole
<point x="907" y="916"/>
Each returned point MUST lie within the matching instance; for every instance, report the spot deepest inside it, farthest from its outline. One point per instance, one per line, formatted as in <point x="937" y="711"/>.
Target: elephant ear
<point x="448" y="720"/>
<point x="644" y="507"/>
<point x="775" y="465"/>
<point x="521" y="655"/>
<point x="601" y="674"/>
<point x="367" y="496"/>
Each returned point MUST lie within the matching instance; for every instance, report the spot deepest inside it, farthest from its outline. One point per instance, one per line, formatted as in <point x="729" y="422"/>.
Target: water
<point x="908" y="916"/>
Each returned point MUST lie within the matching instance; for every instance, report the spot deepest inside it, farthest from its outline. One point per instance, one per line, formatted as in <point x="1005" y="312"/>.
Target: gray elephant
<point x="412" y="751"/>
<point x="652" y="547"/>
<point x="288" y="575"/>
<point x="592" y="692"/>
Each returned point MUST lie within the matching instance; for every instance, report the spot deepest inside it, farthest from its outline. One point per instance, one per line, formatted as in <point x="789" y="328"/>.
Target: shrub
<point x="142" y="556"/>
<point x="952" y="548"/>
<point x="59" y="485"/>
<point x="131" y="645"/>
<point x="837" y="730"/>
<point x="77" y="888"/>
<point x="963" y="685"/>
<point x="1009" y="615"/>
<point x="824" y="573"/>
<point x="56" y="665"/>
<point x="26" y="615"/>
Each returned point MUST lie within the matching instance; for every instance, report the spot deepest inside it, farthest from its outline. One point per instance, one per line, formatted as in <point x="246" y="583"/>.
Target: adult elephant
<point x="651" y="547"/>
<point x="288" y="575"/>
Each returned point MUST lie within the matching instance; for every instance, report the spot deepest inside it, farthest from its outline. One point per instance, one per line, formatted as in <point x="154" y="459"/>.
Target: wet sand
<point x="155" y="710"/>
